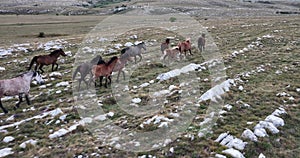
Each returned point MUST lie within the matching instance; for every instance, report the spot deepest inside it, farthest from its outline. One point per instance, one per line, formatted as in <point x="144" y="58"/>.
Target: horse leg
<point x="123" y="74"/>
<point x="140" y="57"/>
<point x="3" y="109"/>
<point x="106" y="81"/>
<point x="101" y="78"/>
<point x="52" y="67"/>
<point x="27" y="99"/>
<point x="190" y="52"/>
<point x="56" y="66"/>
<point x="135" y="59"/>
<point x="164" y="57"/>
<point x="109" y="77"/>
<point x="36" y="66"/>
<point x="95" y="82"/>
<point x="119" y="76"/>
<point x="79" y="83"/>
<point x="18" y="104"/>
<point x="42" y="71"/>
<point x="86" y="83"/>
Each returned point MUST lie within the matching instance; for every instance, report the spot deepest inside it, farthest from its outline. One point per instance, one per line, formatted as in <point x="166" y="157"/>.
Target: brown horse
<point x="104" y="70"/>
<point x="201" y="42"/>
<point x="185" y="46"/>
<point x="18" y="86"/>
<point x="122" y="61"/>
<point x="171" y="53"/>
<point x="42" y="60"/>
<point x="85" y="68"/>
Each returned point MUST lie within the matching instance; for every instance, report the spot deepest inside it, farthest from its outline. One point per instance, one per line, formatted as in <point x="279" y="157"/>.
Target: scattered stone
<point x="275" y="120"/>
<point x="30" y="141"/>
<point x="55" y="74"/>
<point x="234" y="153"/>
<point x="8" y="139"/>
<point x="6" y="151"/>
<point x="62" y="84"/>
<point x="261" y="155"/>
<point x="136" y="100"/>
<point x="250" y="135"/>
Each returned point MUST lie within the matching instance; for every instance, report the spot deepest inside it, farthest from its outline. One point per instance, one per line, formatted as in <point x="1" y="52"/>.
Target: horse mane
<point x="21" y="75"/>
<point x="140" y="43"/>
<point x="124" y="50"/>
<point x="111" y="60"/>
<point x="56" y="51"/>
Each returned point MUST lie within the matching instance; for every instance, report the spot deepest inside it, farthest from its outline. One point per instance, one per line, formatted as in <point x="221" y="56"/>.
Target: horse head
<point x="38" y="77"/>
<point x="61" y="52"/>
<point x="112" y="60"/>
<point x="142" y="45"/>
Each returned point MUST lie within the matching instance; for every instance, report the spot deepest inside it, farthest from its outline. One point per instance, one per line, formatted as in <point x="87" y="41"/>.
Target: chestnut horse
<point x="85" y="68"/>
<point x="185" y="46"/>
<point x="18" y="86"/>
<point x="42" y="60"/>
<point x="104" y="70"/>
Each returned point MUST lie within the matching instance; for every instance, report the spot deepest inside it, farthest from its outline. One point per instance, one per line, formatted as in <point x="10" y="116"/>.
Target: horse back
<point x="46" y="59"/>
<point x="201" y="41"/>
<point x="14" y="86"/>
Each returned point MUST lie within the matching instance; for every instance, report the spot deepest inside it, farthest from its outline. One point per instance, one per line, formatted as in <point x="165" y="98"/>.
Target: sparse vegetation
<point x="41" y="35"/>
<point x="279" y="55"/>
<point x="172" y="19"/>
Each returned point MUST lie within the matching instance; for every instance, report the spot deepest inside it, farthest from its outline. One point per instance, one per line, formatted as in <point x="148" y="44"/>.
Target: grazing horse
<point x="18" y="86"/>
<point x="42" y="60"/>
<point x="134" y="51"/>
<point x="104" y="70"/>
<point x="165" y="45"/>
<point x="85" y="68"/>
<point x="171" y="53"/>
<point x="201" y="42"/>
<point x="185" y="46"/>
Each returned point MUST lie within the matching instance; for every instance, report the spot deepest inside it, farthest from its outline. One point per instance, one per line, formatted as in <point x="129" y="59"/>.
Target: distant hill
<point x="194" y="7"/>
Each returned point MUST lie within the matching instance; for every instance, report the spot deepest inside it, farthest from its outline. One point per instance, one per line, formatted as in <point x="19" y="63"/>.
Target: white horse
<point x="18" y="86"/>
<point x="134" y="51"/>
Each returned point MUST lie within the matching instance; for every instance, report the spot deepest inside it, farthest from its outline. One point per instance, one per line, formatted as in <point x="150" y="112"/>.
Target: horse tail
<point x="76" y="71"/>
<point x="34" y="59"/>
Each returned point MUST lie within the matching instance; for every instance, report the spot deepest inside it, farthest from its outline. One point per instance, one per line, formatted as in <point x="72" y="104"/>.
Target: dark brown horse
<point x="42" y="60"/>
<point x="104" y="70"/>
<point x="85" y="68"/>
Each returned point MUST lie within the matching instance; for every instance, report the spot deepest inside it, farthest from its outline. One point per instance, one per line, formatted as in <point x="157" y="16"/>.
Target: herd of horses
<point x="97" y="68"/>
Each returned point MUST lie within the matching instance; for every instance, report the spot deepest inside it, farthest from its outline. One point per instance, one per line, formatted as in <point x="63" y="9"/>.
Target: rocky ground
<point x="248" y="78"/>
